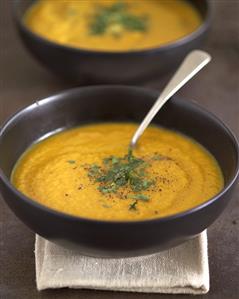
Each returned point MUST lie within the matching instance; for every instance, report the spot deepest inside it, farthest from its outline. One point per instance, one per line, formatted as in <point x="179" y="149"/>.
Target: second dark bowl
<point x="114" y="103"/>
<point x="88" y="66"/>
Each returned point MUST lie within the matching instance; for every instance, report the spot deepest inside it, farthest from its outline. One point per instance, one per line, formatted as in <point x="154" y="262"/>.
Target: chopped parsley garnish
<point x="115" y="19"/>
<point x="116" y="173"/>
<point x="126" y="177"/>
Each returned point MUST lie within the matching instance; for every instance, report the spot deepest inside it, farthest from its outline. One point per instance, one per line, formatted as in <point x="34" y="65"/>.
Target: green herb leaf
<point x="71" y="161"/>
<point x="141" y="197"/>
<point x="133" y="206"/>
<point x="116" y="19"/>
<point x="94" y="171"/>
<point x="108" y="188"/>
<point x="134" y="23"/>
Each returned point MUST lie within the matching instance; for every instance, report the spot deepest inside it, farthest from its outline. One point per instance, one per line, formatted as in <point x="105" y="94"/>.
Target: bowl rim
<point x="177" y="43"/>
<point x="56" y="213"/>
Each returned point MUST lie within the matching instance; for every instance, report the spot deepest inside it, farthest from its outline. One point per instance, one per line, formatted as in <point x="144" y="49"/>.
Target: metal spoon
<point x="190" y="66"/>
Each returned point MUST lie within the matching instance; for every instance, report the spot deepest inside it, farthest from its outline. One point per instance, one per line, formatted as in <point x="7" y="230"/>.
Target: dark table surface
<point x="22" y="81"/>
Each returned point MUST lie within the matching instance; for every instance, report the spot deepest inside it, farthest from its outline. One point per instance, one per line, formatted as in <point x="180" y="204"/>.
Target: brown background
<point x="22" y="81"/>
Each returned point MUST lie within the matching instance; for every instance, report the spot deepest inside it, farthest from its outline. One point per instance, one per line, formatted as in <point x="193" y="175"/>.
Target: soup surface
<point x="86" y="171"/>
<point x="112" y="25"/>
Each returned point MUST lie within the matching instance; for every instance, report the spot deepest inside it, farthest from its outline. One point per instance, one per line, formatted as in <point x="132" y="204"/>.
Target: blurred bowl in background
<point x="91" y="66"/>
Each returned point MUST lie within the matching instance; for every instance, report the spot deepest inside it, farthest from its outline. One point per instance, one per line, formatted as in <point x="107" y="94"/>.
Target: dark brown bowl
<point x="88" y="66"/>
<point x="114" y="103"/>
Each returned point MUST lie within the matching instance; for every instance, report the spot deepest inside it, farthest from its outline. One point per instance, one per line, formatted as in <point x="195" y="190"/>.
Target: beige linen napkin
<point x="183" y="269"/>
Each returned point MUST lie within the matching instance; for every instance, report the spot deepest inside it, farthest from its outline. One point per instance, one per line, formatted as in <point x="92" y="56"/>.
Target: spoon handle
<point x="190" y="66"/>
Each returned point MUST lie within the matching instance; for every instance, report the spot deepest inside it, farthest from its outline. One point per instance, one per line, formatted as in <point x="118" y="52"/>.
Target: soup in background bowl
<point x="113" y="25"/>
<point x="105" y="104"/>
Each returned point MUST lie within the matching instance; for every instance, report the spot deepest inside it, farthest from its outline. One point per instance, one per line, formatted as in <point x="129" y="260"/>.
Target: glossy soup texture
<point x="112" y="25"/>
<point x="59" y="172"/>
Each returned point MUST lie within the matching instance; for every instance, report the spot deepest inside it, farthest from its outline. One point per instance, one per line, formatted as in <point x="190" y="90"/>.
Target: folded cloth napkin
<point x="183" y="269"/>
